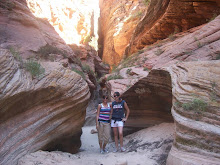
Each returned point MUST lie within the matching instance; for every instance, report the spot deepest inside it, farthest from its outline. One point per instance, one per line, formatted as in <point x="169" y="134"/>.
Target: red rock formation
<point x="46" y="111"/>
<point x="167" y="17"/>
<point x="190" y="88"/>
<point x="117" y="22"/>
<point x="150" y="100"/>
<point x="157" y="22"/>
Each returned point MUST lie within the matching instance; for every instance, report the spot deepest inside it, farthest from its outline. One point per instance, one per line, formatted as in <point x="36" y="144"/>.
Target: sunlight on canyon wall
<point x="76" y="21"/>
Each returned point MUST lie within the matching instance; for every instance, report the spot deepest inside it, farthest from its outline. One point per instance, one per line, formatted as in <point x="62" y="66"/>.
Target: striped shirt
<point x="104" y="115"/>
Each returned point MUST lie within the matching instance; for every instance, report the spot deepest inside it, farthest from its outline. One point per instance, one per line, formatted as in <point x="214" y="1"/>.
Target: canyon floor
<point x="148" y="146"/>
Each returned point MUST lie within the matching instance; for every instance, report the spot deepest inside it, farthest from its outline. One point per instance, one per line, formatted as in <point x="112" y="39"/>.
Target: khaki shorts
<point x="104" y="132"/>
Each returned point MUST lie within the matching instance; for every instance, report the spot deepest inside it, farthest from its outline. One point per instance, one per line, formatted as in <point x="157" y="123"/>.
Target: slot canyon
<point x="163" y="56"/>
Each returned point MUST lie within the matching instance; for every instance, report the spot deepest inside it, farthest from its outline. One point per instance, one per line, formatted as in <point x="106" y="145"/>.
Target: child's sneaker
<point x="105" y="151"/>
<point x="115" y="150"/>
<point x="123" y="149"/>
<point x="101" y="151"/>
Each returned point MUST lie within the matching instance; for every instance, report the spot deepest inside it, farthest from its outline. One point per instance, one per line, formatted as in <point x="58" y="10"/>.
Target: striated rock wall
<point x="130" y="26"/>
<point x="117" y="21"/>
<point x="196" y="112"/>
<point x="150" y="100"/>
<point x="32" y="37"/>
<point x="192" y="89"/>
<point x="168" y="17"/>
<point x="183" y="76"/>
<point x="45" y="113"/>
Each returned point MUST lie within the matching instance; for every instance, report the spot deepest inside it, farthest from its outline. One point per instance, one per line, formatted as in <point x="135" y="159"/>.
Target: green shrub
<point x="87" y="39"/>
<point x="49" y="49"/>
<point x="159" y="52"/>
<point x="128" y="71"/>
<point x="79" y="72"/>
<point x="146" y="2"/>
<point x="114" y="76"/>
<point x="16" y="54"/>
<point x="196" y="104"/>
<point x="145" y="69"/>
<point x="217" y="56"/>
<point x="172" y="37"/>
<point x="140" y="51"/>
<point x="34" y="68"/>
<point x="87" y="69"/>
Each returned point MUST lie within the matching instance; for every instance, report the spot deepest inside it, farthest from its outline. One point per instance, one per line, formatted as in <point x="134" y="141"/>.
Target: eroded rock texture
<point x="196" y="112"/>
<point x="32" y="37"/>
<point x="150" y="100"/>
<point x="45" y="113"/>
<point x="192" y="89"/>
<point x="153" y="22"/>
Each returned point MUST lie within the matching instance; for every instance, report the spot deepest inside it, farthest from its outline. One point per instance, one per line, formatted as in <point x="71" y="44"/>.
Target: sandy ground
<point x="146" y="147"/>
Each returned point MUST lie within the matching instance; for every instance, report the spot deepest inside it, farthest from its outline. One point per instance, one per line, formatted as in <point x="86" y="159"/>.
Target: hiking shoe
<point x="105" y="151"/>
<point x="123" y="149"/>
<point x="115" y="150"/>
<point x="101" y="151"/>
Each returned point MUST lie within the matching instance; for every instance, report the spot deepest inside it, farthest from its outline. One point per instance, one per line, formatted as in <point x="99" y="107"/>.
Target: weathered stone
<point x="42" y="113"/>
<point x="196" y="105"/>
<point x="121" y="36"/>
<point x="150" y="100"/>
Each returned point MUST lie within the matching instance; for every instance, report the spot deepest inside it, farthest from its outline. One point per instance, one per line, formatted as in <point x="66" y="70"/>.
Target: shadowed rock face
<point x="45" y="113"/>
<point x="167" y="17"/>
<point x="121" y="35"/>
<point x="150" y="100"/>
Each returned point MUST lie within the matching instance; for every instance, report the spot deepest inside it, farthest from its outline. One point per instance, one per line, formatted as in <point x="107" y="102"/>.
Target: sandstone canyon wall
<point x="129" y="26"/>
<point x="182" y="76"/>
<point x="45" y="85"/>
<point x="196" y="105"/>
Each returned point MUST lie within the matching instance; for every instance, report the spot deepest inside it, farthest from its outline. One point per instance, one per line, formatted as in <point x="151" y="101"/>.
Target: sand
<point x="149" y="146"/>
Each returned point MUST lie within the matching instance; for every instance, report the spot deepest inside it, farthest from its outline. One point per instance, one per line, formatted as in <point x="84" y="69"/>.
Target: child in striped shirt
<point x="103" y="117"/>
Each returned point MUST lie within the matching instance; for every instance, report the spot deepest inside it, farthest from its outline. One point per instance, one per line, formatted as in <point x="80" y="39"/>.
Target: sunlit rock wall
<point x="74" y="20"/>
<point x="117" y="21"/>
<point x="129" y="26"/>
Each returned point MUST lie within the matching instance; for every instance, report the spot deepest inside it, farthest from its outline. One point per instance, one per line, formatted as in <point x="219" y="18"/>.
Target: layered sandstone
<point x="195" y="109"/>
<point x="117" y="22"/>
<point x="32" y="37"/>
<point x="165" y="18"/>
<point x="192" y="90"/>
<point x="122" y="36"/>
<point x="183" y="76"/>
<point x="197" y="44"/>
<point x="45" y="113"/>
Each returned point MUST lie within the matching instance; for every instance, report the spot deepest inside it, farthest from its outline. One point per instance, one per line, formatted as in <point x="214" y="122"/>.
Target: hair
<point x="117" y="93"/>
<point x="105" y="96"/>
